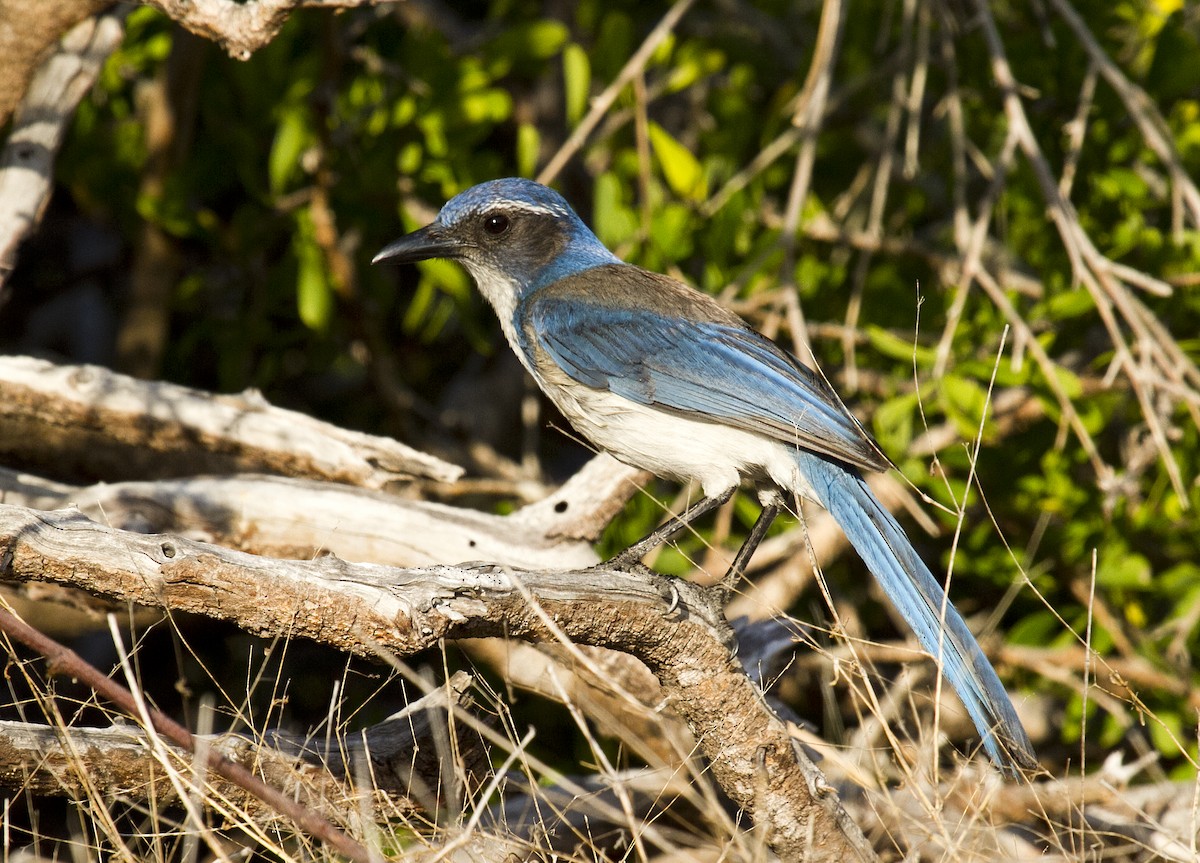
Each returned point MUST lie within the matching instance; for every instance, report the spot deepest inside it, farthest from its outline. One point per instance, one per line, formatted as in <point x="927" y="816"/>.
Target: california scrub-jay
<point x="664" y="378"/>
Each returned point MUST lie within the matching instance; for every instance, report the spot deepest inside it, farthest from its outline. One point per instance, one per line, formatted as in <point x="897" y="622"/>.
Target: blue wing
<point x="691" y="357"/>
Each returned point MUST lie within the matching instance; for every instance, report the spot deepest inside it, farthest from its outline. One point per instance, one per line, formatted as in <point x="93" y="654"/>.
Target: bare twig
<point x="600" y="105"/>
<point x="808" y="119"/>
<point x="1156" y="354"/>
<point x="884" y="158"/>
<point x="1141" y="108"/>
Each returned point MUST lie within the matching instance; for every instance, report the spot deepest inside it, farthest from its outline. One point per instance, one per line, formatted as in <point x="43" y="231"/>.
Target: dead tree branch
<point x="48" y="760"/>
<point x="299" y="518"/>
<point x="27" y="163"/>
<point x="362" y="609"/>
<point x="93" y="422"/>
<point x="242" y="28"/>
<point x="28" y="33"/>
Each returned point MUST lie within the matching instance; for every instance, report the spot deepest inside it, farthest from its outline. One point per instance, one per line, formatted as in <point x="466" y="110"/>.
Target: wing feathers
<point x="683" y="353"/>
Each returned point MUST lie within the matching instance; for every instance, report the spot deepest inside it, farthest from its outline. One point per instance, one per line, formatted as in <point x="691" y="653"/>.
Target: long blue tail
<point x="907" y="581"/>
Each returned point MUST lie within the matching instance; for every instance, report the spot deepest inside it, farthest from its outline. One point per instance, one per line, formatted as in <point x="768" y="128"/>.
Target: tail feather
<point x="918" y="596"/>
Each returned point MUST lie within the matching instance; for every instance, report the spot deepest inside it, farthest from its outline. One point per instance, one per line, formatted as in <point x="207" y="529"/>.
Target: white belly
<point x="718" y="457"/>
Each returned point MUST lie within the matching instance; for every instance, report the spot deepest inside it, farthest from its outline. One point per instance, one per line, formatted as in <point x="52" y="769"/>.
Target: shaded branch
<point x="53" y="761"/>
<point x="28" y="32"/>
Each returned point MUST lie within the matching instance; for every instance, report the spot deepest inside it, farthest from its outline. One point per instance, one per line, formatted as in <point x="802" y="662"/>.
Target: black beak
<point x="420" y="245"/>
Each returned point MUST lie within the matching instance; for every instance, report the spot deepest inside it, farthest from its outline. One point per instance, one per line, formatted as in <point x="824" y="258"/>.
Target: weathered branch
<point x="53" y="761"/>
<point x="362" y="609"/>
<point x="27" y="163"/>
<point x="28" y="32"/>
<point x="89" y="421"/>
<point x="242" y="28"/>
<point x="297" y="518"/>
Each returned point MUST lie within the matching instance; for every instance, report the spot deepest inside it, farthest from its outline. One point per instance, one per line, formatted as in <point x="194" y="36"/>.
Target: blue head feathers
<point x="511" y="235"/>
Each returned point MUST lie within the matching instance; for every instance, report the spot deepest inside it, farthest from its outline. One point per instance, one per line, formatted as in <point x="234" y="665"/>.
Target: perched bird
<point x="664" y="378"/>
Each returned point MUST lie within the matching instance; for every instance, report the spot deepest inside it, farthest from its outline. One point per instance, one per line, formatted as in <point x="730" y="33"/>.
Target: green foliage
<point x="381" y="122"/>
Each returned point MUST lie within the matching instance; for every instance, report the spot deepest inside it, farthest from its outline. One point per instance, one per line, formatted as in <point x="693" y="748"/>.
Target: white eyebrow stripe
<point x="530" y="207"/>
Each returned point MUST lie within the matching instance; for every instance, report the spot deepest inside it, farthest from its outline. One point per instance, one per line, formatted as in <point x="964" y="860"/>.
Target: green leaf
<point x="1167" y="731"/>
<point x="612" y="45"/>
<point x="408" y="160"/>
<point x="682" y="170"/>
<point x="1118" y="567"/>
<point x="894" y="422"/>
<point x="292" y="138"/>
<point x="577" y="82"/>
<point x="536" y="40"/>
<point x="1069" y="381"/>
<point x="670" y="230"/>
<point x="1070" y="304"/>
<point x="893" y="346"/>
<point x="314" y="292"/>
<point x="529" y="145"/>
<point x="963" y="400"/>
<point x="485" y="106"/>
<point x="448" y="277"/>
<point x="613" y="222"/>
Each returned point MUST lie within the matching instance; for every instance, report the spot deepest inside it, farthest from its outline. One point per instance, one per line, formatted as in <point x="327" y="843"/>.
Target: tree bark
<point x="54" y="90"/>
<point x="28" y="31"/>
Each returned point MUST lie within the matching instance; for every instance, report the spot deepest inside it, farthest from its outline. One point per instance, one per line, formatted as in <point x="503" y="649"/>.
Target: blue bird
<point x="664" y="378"/>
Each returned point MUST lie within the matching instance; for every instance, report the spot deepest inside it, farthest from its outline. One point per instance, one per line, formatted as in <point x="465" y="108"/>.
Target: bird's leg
<point x="667" y="531"/>
<point x="757" y="532"/>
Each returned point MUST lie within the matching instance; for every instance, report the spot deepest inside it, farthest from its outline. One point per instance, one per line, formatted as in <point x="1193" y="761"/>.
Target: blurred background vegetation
<point x="214" y="220"/>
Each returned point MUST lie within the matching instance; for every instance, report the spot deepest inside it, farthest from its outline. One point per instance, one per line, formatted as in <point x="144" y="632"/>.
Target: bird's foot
<point x="629" y="560"/>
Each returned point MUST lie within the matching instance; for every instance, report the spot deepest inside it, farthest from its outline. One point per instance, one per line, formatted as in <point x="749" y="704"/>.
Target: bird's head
<point x="512" y="235"/>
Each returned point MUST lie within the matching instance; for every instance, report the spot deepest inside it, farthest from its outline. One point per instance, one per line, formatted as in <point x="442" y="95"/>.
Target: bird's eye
<point x="495" y="223"/>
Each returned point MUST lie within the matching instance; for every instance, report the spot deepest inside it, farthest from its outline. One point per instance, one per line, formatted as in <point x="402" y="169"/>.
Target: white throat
<point x="501" y="293"/>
